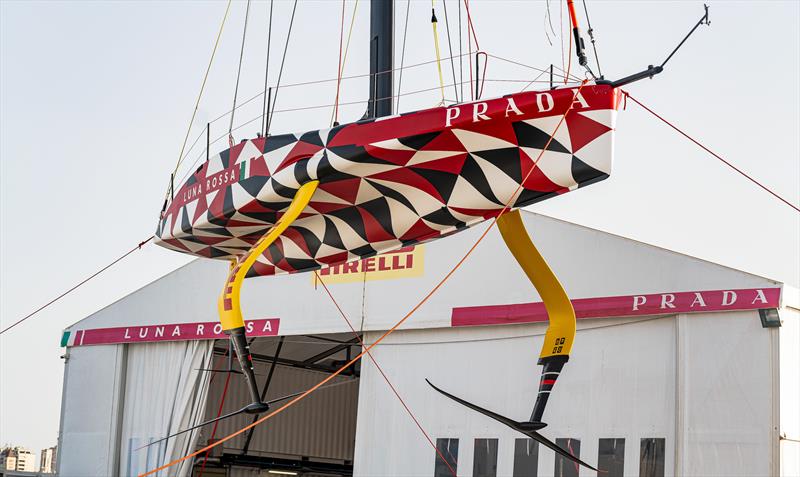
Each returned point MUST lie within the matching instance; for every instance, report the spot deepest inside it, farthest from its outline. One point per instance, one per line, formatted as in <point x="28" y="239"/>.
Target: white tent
<point x="672" y="369"/>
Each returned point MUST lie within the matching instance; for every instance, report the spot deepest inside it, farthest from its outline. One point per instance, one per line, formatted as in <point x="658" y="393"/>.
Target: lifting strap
<point x="230" y="311"/>
<point x="561" y="331"/>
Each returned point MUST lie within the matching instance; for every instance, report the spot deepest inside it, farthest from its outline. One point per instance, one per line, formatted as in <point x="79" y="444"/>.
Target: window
<point x="564" y="467"/>
<point x="484" y="463"/>
<point x="526" y="458"/>
<point x="611" y="457"/>
<point x="449" y="449"/>
<point x="651" y="457"/>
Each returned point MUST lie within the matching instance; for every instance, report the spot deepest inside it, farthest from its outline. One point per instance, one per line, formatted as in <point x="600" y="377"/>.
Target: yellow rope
<point x="349" y="34"/>
<point x="202" y="88"/>
<point x="436" y="45"/>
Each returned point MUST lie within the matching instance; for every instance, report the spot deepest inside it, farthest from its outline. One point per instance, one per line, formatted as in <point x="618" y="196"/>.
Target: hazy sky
<point x="95" y="98"/>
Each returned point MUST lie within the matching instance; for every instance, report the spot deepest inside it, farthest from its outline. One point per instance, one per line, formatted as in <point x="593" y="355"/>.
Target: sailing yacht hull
<point x="392" y="182"/>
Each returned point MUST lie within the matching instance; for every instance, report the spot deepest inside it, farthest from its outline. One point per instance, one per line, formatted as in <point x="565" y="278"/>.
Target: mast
<point x="381" y="54"/>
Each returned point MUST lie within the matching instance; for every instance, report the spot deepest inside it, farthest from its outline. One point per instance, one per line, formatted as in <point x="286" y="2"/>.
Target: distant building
<point x="47" y="461"/>
<point x="17" y="458"/>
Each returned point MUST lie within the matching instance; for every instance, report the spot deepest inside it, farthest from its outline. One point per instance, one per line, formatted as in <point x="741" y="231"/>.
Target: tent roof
<point x="590" y="264"/>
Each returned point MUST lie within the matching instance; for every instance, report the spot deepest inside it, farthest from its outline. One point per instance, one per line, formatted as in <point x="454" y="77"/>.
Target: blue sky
<point x="95" y="99"/>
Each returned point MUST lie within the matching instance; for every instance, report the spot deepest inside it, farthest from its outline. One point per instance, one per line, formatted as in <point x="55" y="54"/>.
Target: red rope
<point x="751" y="179"/>
<point x="142" y="243"/>
<point x="471" y="25"/>
<point x="386" y="378"/>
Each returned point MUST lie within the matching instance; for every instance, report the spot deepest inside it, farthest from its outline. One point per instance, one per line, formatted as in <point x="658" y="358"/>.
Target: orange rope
<point x="386" y="378"/>
<point x="396" y="325"/>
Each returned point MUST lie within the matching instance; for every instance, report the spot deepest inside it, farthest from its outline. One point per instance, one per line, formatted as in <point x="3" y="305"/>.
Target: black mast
<point x="381" y="55"/>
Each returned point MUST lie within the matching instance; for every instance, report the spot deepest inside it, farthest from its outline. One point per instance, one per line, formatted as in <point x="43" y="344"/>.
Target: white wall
<point x="620" y="382"/>
<point x="87" y="438"/>
<point x="790" y="392"/>
<point x="727" y="387"/>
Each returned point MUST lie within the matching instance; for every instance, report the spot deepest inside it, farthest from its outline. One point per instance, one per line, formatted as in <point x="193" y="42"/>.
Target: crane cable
<point x="266" y="72"/>
<point x="405" y="318"/>
<point x="238" y="73"/>
<point x="434" y="22"/>
<point x="199" y="96"/>
<point x="590" y="31"/>
<point x="280" y="71"/>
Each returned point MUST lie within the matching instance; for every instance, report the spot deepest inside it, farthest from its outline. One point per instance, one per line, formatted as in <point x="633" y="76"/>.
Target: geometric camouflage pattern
<point x="391" y="182"/>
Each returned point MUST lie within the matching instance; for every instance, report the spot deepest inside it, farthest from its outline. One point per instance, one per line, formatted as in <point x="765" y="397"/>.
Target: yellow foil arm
<point x="561" y="332"/>
<point x="230" y="311"/>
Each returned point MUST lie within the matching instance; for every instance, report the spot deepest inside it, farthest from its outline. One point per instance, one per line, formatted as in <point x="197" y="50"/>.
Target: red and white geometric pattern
<point x="391" y="182"/>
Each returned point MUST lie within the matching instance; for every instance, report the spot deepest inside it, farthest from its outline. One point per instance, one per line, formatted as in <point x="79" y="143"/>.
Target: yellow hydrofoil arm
<point x="229" y="304"/>
<point x="561" y="332"/>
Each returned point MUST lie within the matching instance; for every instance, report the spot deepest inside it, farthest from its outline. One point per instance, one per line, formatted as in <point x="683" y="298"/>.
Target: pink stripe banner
<point x="174" y="332"/>
<point x="620" y="306"/>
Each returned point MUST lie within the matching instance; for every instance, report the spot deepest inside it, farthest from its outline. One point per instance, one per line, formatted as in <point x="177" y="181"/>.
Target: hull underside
<point x="392" y="182"/>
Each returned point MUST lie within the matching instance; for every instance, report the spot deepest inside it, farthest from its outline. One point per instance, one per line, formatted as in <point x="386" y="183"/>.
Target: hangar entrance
<point x="315" y="437"/>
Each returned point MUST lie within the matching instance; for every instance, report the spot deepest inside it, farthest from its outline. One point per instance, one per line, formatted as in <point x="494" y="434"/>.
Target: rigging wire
<point x="696" y="142"/>
<point x="216" y="423"/>
<point x="469" y="62"/>
<point x="351" y="103"/>
<point x="200" y="94"/>
<point x="266" y="72"/>
<point x="280" y="72"/>
<point x="313" y="82"/>
<point x="561" y="33"/>
<point x="402" y="58"/>
<point x="590" y="31"/>
<point x="339" y="77"/>
<point x="76" y="286"/>
<point x="335" y="118"/>
<point x="513" y="62"/>
<point x="380" y="370"/>
<point x="460" y="56"/>
<point x="238" y="72"/>
<point x="349" y="35"/>
<point x="549" y="20"/>
<point x="434" y="23"/>
<point x="534" y="80"/>
<point x="405" y="318"/>
<point x="450" y="47"/>
<point x="470" y="25"/>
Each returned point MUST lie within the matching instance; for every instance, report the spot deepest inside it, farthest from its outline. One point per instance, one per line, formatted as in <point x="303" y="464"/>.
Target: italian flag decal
<point x="242" y="171"/>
